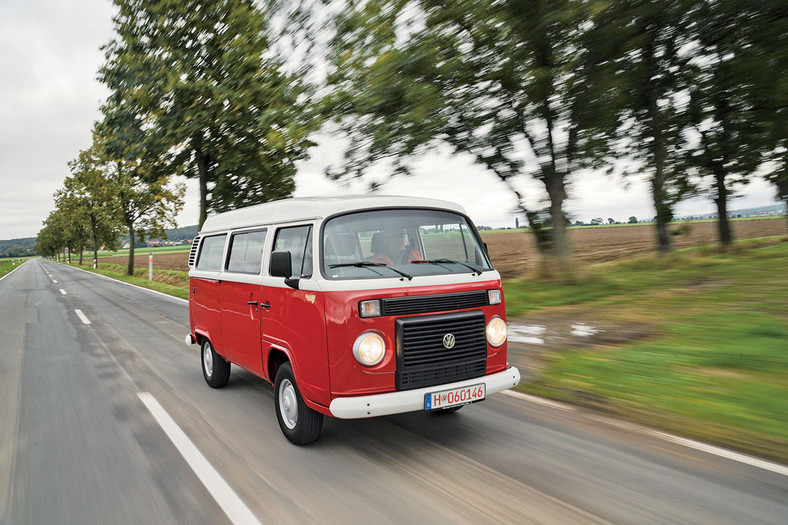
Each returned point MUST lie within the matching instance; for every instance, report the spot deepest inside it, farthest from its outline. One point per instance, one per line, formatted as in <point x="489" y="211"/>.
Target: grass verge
<point x="9" y="265"/>
<point x="715" y="359"/>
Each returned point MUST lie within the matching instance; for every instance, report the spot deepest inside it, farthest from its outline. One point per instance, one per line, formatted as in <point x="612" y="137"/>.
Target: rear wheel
<point x="215" y="369"/>
<point x="300" y="424"/>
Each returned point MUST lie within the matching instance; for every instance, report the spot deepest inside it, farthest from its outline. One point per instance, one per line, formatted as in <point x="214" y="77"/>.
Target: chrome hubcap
<point x="288" y="404"/>
<point x="207" y="359"/>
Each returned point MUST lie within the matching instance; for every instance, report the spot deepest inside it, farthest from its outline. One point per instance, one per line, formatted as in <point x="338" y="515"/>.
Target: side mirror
<point x="281" y="266"/>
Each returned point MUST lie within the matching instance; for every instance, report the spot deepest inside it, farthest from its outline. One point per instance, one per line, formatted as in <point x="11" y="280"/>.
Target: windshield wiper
<point x="475" y="270"/>
<point x="370" y="265"/>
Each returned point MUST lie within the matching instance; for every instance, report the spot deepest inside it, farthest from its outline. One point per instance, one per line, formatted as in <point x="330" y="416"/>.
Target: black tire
<point x="215" y="369"/>
<point x="299" y="423"/>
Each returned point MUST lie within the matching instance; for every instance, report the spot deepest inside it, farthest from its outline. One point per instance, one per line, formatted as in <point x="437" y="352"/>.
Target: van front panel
<point x="436" y="312"/>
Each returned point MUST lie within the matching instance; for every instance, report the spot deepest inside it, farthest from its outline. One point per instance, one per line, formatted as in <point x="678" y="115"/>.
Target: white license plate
<point x="454" y="397"/>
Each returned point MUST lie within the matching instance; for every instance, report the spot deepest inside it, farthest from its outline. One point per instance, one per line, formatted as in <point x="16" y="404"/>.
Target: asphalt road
<point x="111" y="422"/>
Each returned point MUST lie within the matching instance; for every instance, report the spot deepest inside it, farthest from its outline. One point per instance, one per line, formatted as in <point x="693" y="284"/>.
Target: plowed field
<point x="514" y="253"/>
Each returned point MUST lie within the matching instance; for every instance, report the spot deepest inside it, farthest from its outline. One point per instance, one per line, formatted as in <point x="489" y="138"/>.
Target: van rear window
<point x="210" y="257"/>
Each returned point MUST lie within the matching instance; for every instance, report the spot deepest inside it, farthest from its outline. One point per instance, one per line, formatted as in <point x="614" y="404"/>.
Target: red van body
<point x="352" y="307"/>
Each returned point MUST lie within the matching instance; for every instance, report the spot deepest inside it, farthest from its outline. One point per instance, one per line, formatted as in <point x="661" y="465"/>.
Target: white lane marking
<point x="724" y="453"/>
<point x="689" y="443"/>
<point x="540" y="401"/>
<point x="82" y="316"/>
<point x="62" y="291"/>
<point x="54" y="281"/>
<point x="224" y="495"/>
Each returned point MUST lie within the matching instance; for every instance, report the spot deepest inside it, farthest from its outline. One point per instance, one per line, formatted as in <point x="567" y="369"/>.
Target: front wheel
<point x="215" y="369"/>
<point x="300" y="424"/>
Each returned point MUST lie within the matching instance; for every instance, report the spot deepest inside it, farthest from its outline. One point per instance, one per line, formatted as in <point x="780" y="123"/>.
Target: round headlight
<point x="496" y="331"/>
<point x="369" y="349"/>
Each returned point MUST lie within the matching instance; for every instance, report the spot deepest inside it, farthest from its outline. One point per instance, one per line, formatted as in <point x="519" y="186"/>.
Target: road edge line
<point x="129" y="284"/>
<point x="15" y="269"/>
<point x="232" y="505"/>
<point x="738" y="457"/>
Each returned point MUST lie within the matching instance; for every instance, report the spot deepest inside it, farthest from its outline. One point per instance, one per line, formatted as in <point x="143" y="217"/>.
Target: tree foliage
<point x="507" y="82"/>
<point x="646" y="48"/>
<point x="195" y="82"/>
<point x="734" y="40"/>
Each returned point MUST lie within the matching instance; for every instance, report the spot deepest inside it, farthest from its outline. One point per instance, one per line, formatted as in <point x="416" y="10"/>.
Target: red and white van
<point x="352" y="307"/>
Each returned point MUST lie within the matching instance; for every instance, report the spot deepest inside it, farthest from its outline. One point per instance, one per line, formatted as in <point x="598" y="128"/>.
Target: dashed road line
<point x="63" y="292"/>
<point x="82" y="317"/>
<point x="225" y="496"/>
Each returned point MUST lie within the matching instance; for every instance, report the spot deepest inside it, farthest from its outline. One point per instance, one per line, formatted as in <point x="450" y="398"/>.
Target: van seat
<point x="339" y="248"/>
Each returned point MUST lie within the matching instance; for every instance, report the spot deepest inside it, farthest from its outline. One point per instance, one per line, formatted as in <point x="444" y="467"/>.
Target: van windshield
<point x="402" y="243"/>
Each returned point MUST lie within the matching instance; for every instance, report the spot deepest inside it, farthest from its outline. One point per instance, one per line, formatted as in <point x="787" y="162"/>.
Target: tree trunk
<point x="81" y="250"/>
<point x="559" y="248"/>
<point x="132" y="241"/>
<point x="93" y="227"/>
<point x="721" y="200"/>
<point x="656" y="131"/>
<point x="202" y="168"/>
<point x="664" y="214"/>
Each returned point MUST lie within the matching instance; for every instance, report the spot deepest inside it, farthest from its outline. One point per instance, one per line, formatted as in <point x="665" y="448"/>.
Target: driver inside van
<point x="388" y="247"/>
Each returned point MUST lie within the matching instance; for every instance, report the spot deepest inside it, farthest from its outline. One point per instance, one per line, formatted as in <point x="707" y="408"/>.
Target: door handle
<point x="266" y="305"/>
<point x="251" y="303"/>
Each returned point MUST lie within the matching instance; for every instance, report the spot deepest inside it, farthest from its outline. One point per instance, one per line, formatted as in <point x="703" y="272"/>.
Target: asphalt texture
<point x="78" y="445"/>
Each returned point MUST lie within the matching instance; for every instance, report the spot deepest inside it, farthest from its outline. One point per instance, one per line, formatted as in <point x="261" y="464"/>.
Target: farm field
<point x="513" y="253"/>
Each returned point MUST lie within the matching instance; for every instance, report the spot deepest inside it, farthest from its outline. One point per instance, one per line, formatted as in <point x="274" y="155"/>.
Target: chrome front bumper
<point x="412" y="400"/>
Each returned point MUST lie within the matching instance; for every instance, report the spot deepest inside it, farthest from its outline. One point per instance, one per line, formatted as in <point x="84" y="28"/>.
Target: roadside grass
<point x="9" y="265"/>
<point x="714" y="364"/>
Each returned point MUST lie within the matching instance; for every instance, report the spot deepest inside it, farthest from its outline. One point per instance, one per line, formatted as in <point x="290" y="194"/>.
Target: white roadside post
<point x="150" y="266"/>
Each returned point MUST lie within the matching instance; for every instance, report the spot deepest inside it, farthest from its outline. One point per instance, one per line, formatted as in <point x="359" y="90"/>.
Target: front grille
<point x="424" y="304"/>
<point x="193" y="251"/>
<point x="422" y="358"/>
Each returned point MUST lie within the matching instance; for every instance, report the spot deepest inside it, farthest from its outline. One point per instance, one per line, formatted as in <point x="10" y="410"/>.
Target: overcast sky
<point x="49" y="99"/>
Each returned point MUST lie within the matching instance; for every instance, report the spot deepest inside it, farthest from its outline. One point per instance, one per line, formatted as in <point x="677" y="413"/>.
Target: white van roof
<point x="306" y="208"/>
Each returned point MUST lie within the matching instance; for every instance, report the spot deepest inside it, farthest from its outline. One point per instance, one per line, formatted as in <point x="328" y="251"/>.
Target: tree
<point x="768" y="86"/>
<point x="55" y="237"/>
<point x="144" y="199"/>
<point x="632" y="220"/>
<point x="209" y="97"/>
<point x="97" y="200"/>
<point x="646" y="48"/>
<point x="723" y="111"/>
<point x="71" y="218"/>
<point x="501" y="81"/>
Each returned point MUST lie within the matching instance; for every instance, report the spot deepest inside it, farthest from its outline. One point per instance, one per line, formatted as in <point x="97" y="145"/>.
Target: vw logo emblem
<point x="449" y="340"/>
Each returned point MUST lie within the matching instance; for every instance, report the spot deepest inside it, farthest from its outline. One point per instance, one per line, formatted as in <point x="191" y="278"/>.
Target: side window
<point x="210" y="257"/>
<point x="297" y="241"/>
<point x="246" y="252"/>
